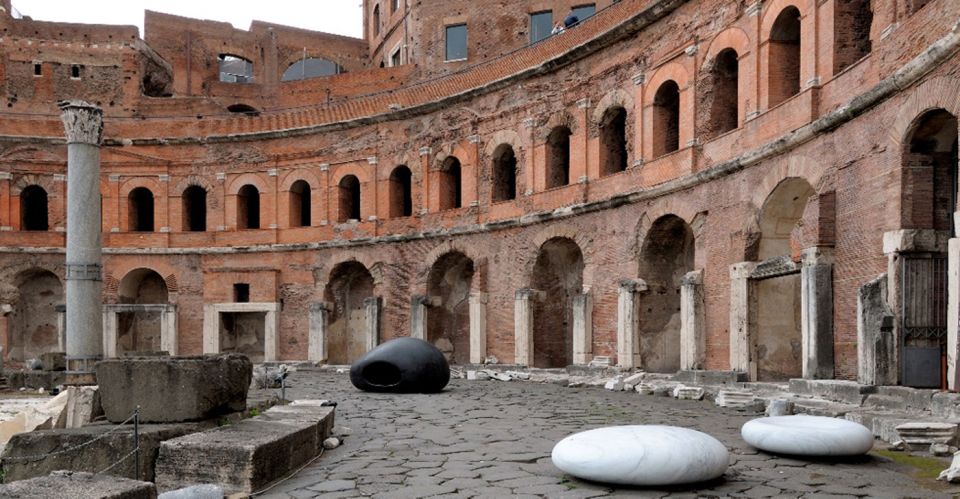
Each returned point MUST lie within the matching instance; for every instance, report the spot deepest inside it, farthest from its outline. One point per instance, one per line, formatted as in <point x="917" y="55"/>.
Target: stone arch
<point x="558" y="273"/>
<point x="308" y="175"/>
<point x="503" y="137"/>
<point x="254" y="179"/>
<point x="772" y="10"/>
<point x="580" y="237"/>
<point x="32" y="328"/>
<point x="349" y="285"/>
<point x="140" y="329"/>
<point x="129" y="288"/>
<point x="730" y="38"/>
<point x="670" y="71"/>
<point x="192" y="180"/>
<point x="24" y="181"/>
<point x="794" y="166"/>
<point x="614" y="98"/>
<point x="561" y="119"/>
<point x="936" y="93"/>
<point x="450" y="281"/>
<point x="434" y="255"/>
<point x="666" y="255"/>
<point x="929" y="165"/>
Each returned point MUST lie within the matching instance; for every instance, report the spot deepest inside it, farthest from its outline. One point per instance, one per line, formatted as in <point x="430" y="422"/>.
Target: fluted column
<point x="84" y="128"/>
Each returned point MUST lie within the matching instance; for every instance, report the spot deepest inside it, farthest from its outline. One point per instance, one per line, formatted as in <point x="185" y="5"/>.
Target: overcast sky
<point x="343" y="17"/>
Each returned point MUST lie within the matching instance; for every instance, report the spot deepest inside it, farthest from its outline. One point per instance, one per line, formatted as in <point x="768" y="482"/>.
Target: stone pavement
<point x="491" y="439"/>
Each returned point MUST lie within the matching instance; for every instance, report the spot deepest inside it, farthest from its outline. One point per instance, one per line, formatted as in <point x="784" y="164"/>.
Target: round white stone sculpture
<point x="803" y="435"/>
<point x="642" y="455"/>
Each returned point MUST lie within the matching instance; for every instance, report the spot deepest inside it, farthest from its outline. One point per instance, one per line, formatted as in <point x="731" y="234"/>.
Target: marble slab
<point x="803" y="435"/>
<point x="646" y="455"/>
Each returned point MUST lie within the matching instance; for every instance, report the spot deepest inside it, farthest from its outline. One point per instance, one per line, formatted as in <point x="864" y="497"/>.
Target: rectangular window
<point x="584" y="11"/>
<point x="541" y="24"/>
<point x="456" y="42"/>
<point x="37" y="70"/>
<point x="395" y="58"/>
<point x="241" y="292"/>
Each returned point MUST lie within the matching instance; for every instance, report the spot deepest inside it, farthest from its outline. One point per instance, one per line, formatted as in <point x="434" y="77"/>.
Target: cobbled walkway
<point x="490" y="439"/>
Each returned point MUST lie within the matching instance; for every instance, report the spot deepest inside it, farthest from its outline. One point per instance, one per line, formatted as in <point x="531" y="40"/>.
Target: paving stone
<point x="415" y="492"/>
<point x="333" y="486"/>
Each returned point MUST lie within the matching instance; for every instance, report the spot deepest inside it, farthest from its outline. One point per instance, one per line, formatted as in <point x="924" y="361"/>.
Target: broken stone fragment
<point x="615" y="384"/>
<point x="331" y="443"/>
<point x="952" y="474"/>
<point x="779" y="407"/>
<point x="942" y="450"/>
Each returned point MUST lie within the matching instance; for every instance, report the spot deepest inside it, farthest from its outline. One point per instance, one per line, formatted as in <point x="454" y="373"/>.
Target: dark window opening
<point x="456" y="43"/>
<point x="666" y="119"/>
<point x="914" y="5"/>
<point x="235" y="69"/>
<point x="37" y="69"/>
<point x="311" y="67"/>
<point x="194" y="209"/>
<point x="719" y="95"/>
<point x="75" y="71"/>
<point x="613" y="141"/>
<point x="241" y="292"/>
<point x="243" y="109"/>
<point x="34" y="211"/>
<point x="395" y="59"/>
<point x="401" y="192"/>
<point x="929" y="173"/>
<point x="140" y="202"/>
<point x="504" y="173"/>
<point x="349" y="199"/>
<point x="376" y="20"/>
<point x="248" y="207"/>
<point x="450" y="186"/>
<point x="300" y="204"/>
<point x="852" y="22"/>
<point x="783" y="66"/>
<point x="541" y="25"/>
<point x="558" y="157"/>
<point x="584" y="11"/>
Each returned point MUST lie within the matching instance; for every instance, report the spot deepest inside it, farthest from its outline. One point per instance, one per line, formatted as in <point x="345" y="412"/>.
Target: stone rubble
<point x="952" y="474"/>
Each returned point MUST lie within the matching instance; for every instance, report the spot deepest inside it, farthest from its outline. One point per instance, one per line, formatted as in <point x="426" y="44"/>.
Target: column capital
<point x="82" y="121"/>
<point x="633" y="286"/>
<point x="692" y="278"/>
<point x="816" y="255"/>
<point x="530" y="294"/>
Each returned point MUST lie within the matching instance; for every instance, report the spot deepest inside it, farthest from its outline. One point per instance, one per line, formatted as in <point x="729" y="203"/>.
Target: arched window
<point x="851" y="33"/>
<point x="311" y="68"/>
<point x="504" y="173"/>
<point x="34" y="213"/>
<point x="194" y="200"/>
<point x="243" y="109"/>
<point x="401" y="195"/>
<point x="666" y="119"/>
<point x="720" y="95"/>
<point x="235" y="69"/>
<point x="248" y="207"/>
<point x="451" y="194"/>
<point x="376" y="20"/>
<point x="140" y="210"/>
<point x="300" y="204"/>
<point x="929" y="173"/>
<point x="349" y="199"/>
<point x="558" y="157"/>
<point x="783" y="64"/>
<point x="613" y="141"/>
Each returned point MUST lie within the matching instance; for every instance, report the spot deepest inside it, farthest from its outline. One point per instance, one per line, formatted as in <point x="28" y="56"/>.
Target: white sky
<point x="343" y="17"/>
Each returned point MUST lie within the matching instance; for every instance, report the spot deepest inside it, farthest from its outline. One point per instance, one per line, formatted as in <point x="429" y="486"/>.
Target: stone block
<point x="194" y="492"/>
<point x="779" y="407"/>
<point x="174" y="389"/>
<point x="54" y="361"/>
<point x="688" y="393"/>
<point x="699" y="377"/>
<point x="920" y="435"/>
<point x="634" y="379"/>
<point x="247" y="456"/>
<point x="93" y="457"/>
<point x="735" y="399"/>
<point x="35" y="379"/>
<point x="848" y="392"/>
<point x="945" y="405"/>
<point x="71" y="485"/>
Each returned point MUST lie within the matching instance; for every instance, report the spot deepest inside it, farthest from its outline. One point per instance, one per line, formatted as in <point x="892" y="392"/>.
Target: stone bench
<point x="70" y="485"/>
<point x="247" y="456"/>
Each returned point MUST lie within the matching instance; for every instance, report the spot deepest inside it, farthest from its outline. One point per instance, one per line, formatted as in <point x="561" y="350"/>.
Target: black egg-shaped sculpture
<point x="403" y="365"/>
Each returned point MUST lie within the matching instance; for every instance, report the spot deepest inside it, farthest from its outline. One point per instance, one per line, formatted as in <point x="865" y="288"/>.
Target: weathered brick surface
<point x="418" y="115"/>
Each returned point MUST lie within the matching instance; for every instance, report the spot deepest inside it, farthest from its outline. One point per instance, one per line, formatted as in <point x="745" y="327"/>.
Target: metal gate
<point x="923" y="319"/>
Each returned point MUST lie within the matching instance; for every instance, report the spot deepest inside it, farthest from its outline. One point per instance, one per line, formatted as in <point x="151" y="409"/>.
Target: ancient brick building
<point x="672" y="184"/>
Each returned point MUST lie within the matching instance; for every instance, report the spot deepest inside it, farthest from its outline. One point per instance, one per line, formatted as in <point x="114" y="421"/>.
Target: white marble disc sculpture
<point x="803" y="435"/>
<point x="642" y="455"/>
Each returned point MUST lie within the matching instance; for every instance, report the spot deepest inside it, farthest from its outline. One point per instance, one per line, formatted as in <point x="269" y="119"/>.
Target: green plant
<point x="254" y="412"/>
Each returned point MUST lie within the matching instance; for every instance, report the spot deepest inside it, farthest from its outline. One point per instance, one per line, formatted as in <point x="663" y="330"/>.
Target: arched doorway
<point x="350" y="286"/>
<point x="448" y="324"/>
<point x="139" y="327"/>
<point x="33" y="320"/>
<point x="666" y="256"/>
<point x="777" y="346"/>
<point x="558" y="273"/>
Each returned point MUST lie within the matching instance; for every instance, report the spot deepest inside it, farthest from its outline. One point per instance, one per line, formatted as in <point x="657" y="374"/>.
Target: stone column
<point x="876" y="341"/>
<point x="742" y="308"/>
<point x="628" y="316"/>
<point x="373" y="307"/>
<point x="84" y="282"/>
<point x="211" y="329"/>
<point x="110" y="332"/>
<point x="61" y="328"/>
<point x="693" y="331"/>
<point x="168" y="330"/>
<point x="583" y="327"/>
<point x="418" y="314"/>
<point x="523" y="325"/>
<point x="317" y="336"/>
<point x="478" y="327"/>
<point x="953" y="311"/>
<point x="271" y="336"/>
<point x="816" y="316"/>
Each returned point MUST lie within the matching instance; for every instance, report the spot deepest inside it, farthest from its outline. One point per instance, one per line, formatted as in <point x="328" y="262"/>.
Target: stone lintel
<point x="904" y="240"/>
<point x="817" y="255"/>
<point x="742" y="270"/>
<point x="530" y="294"/>
<point x="633" y="285"/>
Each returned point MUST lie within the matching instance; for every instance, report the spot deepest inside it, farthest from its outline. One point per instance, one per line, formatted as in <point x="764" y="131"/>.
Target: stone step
<point x="247" y="456"/>
<point x="818" y="407"/>
<point x="848" y="392"/>
<point x="62" y="484"/>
